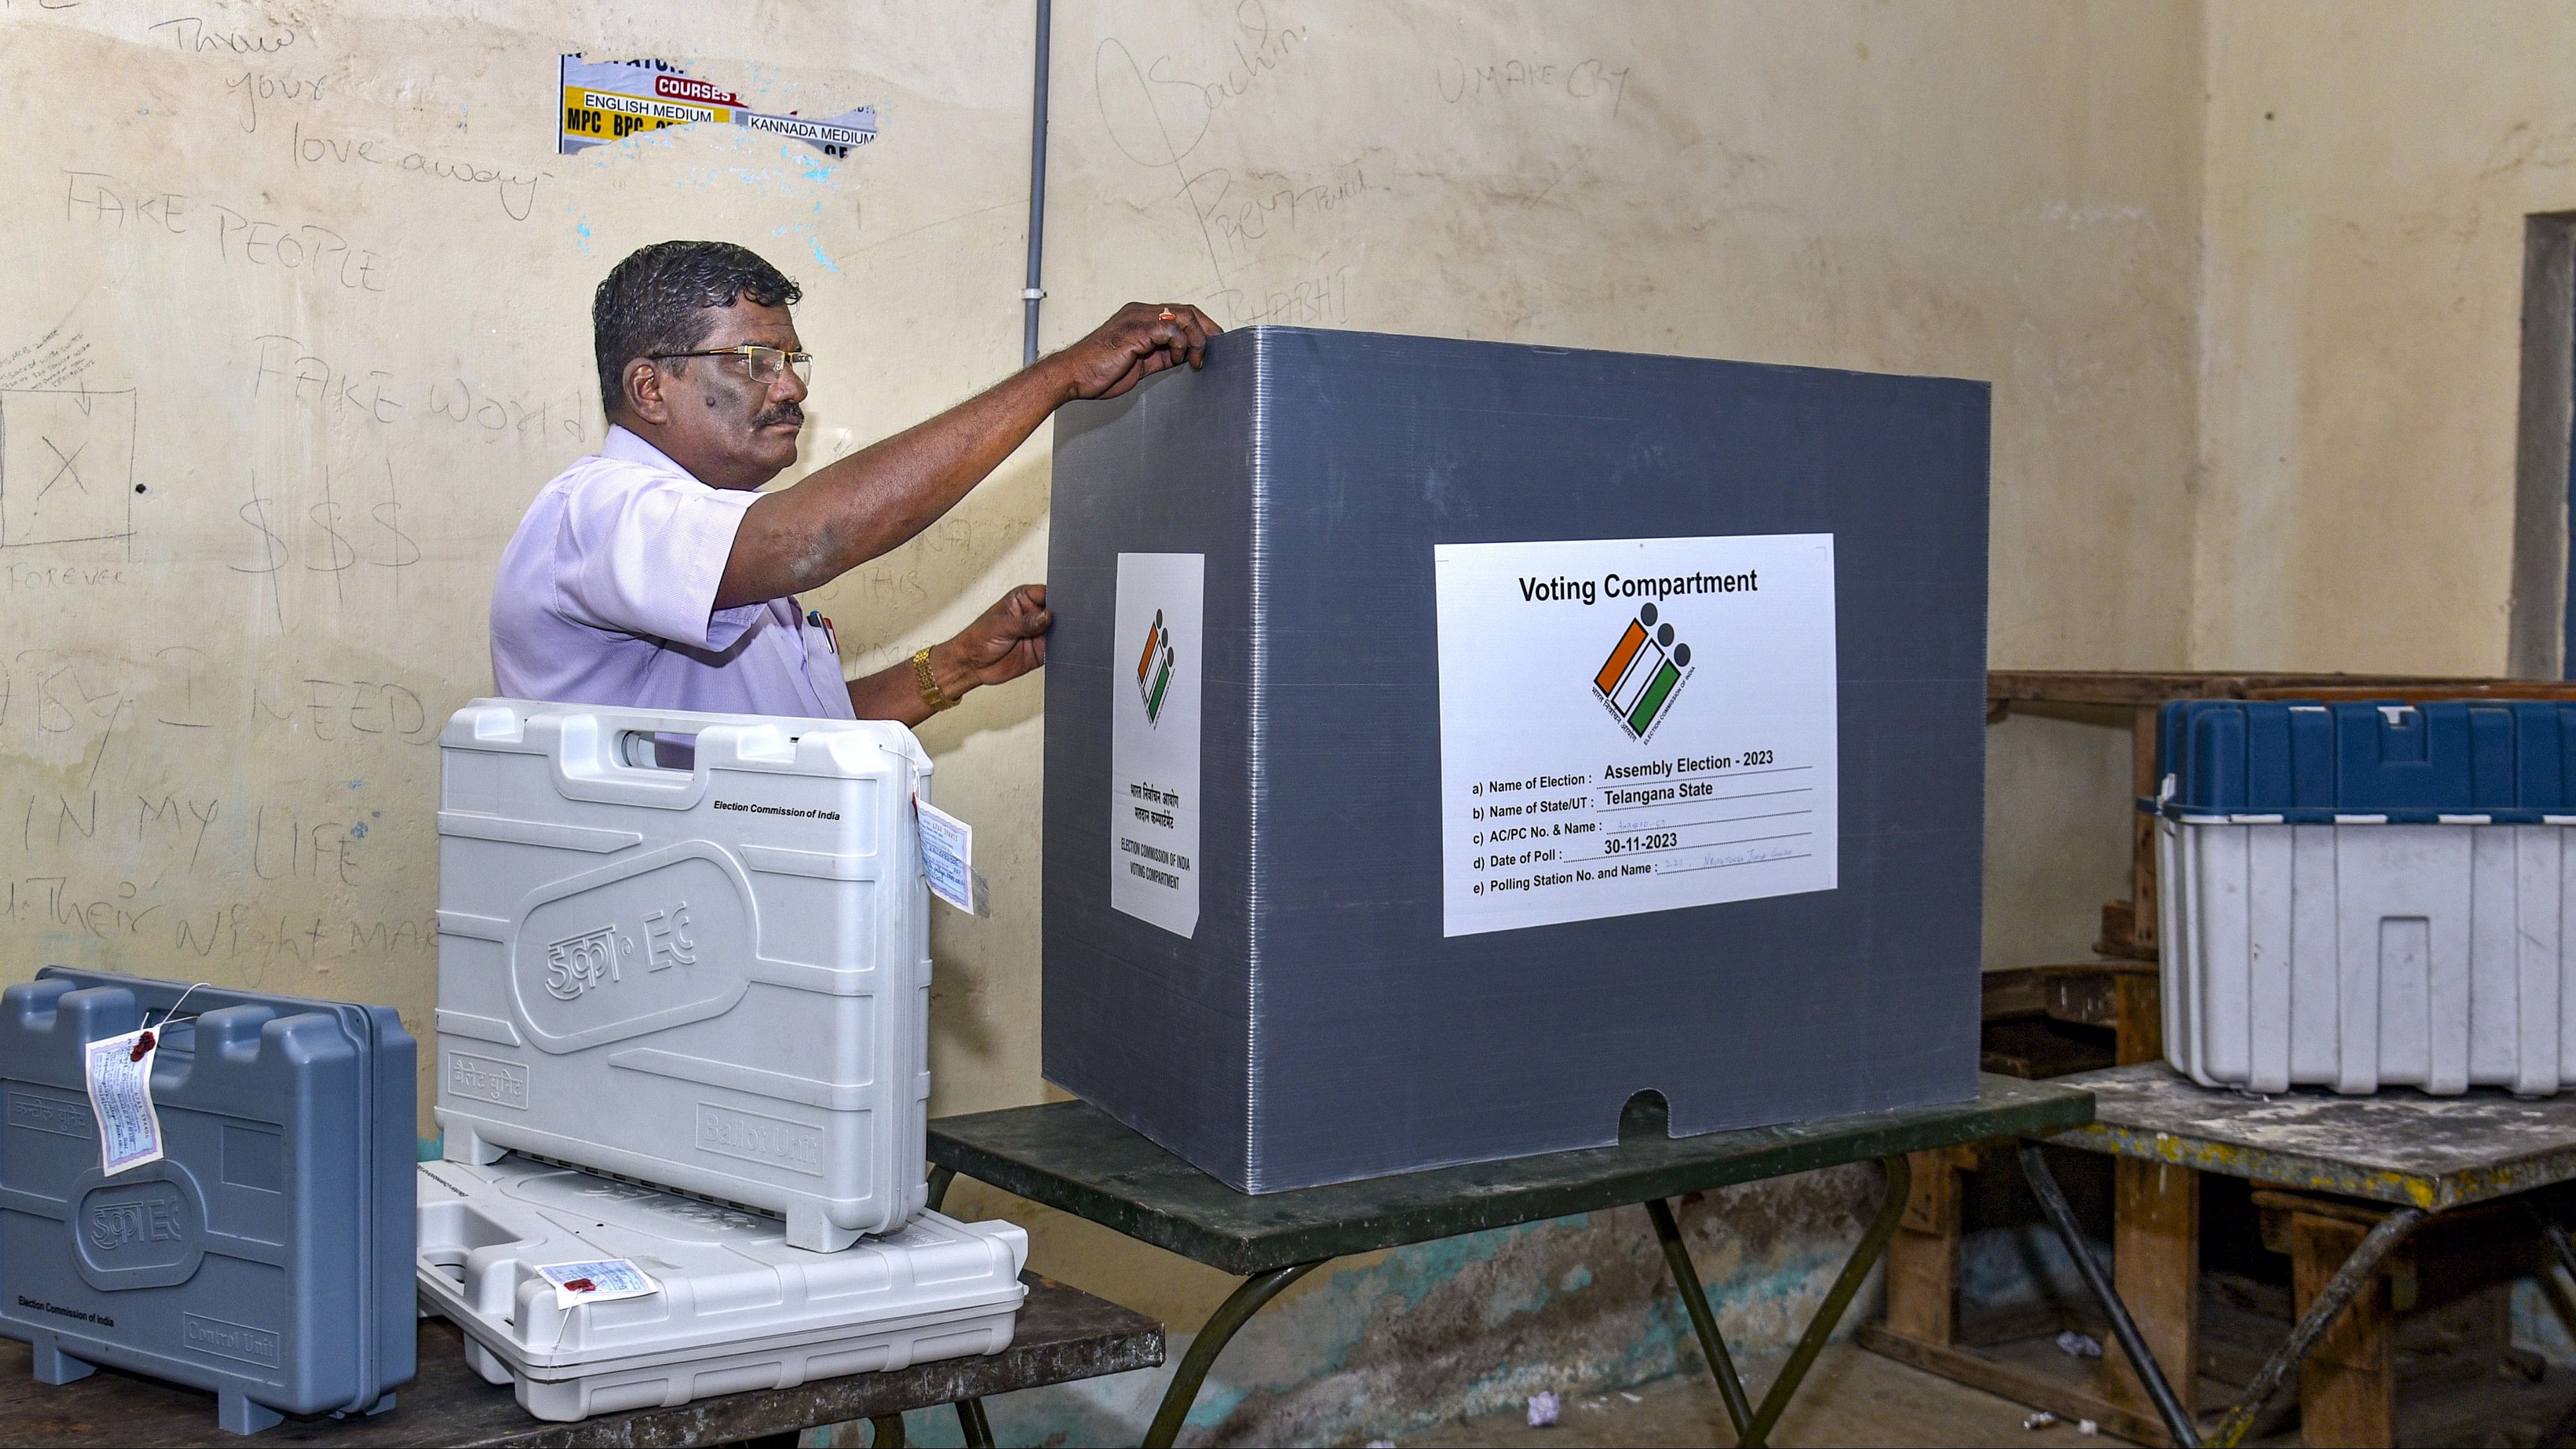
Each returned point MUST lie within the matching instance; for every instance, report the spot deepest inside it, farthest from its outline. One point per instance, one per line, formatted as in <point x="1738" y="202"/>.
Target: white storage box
<point x="715" y="979"/>
<point x="735" y="1307"/>
<point x="2363" y="895"/>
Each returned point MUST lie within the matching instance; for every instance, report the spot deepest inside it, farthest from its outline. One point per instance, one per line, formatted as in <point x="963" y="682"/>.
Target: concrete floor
<point x="1852" y="1397"/>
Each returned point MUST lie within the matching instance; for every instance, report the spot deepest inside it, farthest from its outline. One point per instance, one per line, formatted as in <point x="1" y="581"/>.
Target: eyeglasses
<point x="762" y="363"/>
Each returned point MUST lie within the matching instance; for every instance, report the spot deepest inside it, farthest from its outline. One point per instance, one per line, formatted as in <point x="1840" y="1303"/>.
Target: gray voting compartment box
<point x="268" y="1255"/>
<point x="1447" y="742"/>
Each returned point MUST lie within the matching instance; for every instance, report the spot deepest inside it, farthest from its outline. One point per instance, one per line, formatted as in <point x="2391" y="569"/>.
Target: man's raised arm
<point x="869" y="503"/>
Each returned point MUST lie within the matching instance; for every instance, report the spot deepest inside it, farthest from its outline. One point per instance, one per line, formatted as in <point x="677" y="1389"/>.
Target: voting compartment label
<point x="1154" y="675"/>
<point x="1632" y="725"/>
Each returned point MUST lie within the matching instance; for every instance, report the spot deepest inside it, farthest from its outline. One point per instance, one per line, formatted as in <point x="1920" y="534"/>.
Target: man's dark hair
<point x="655" y="302"/>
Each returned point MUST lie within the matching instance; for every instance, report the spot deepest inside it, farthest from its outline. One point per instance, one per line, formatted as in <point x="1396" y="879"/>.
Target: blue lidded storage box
<point x="2510" y="762"/>
<point x="268" y="1255"/>
<point x="2367" y="895"/>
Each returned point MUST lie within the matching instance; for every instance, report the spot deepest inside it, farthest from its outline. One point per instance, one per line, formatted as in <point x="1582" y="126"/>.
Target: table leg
<point x="2556" y="1236"/>
<point x="2348" y="1382"/>
<point x="2043" y="1184"/>
<point x="1721" y="1365"/>
<point x="1864" y="1256"/>
<point x="1923" y="1257"/>
<point x="2359" y="1271"/>
<point x="1753" y="1426"/>
<point x="2155" y="1263"/>
<point x="1229" y="1318"/>
<point x="971" y="1423"/>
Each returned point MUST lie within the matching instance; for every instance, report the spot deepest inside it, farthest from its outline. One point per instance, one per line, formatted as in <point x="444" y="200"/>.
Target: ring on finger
<point x="1168" y="317"/>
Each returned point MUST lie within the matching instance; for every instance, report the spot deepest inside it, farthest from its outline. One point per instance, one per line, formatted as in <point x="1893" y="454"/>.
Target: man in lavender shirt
<point x="654" y="573"/>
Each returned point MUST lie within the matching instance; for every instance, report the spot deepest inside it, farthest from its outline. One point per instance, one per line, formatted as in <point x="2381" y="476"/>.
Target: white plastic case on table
<point x="2356" y="956"/>
<point x="714" y="979"/>
<point x="736" y="1310"/>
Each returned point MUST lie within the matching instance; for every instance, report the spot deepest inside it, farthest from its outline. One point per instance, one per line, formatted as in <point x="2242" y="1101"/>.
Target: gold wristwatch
<point x="931" y="694"/>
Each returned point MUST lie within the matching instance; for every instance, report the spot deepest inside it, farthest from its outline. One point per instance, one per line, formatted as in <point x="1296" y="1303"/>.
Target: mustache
<point x="783" y="413"/>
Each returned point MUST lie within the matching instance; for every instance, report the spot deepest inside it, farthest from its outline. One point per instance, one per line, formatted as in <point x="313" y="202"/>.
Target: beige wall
<point x="2359" y="362"/>
<point x="2369" y="171"/>
<point x="214" y="727"/>
<point x="2246" y="278"/>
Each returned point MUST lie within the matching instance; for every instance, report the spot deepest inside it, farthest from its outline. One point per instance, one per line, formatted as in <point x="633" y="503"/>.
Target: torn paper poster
<point x="606" y="101"/>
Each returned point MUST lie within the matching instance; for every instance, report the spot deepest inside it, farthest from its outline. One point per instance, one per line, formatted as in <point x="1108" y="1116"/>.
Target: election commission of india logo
<point x="1644" y="673"/>
<point x="1154" y="669"/>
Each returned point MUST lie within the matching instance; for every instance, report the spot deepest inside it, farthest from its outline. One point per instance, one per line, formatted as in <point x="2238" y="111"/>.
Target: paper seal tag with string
<point x="119" y="1073"/>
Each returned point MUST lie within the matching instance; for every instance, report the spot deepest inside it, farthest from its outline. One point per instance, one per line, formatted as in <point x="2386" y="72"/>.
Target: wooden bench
<point x="1063" y="1334"/>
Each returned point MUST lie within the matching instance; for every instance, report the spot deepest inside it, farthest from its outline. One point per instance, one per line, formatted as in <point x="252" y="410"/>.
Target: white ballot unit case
<point x="727" y="1306"/>
<point x="684" y="989"/>
<point x="714" y="980"/>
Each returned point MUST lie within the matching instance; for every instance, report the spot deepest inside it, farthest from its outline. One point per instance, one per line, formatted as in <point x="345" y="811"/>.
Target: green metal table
<point x="1076" y="1159"/>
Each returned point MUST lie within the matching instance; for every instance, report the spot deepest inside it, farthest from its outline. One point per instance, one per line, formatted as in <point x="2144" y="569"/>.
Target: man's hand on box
<point x="866" y="505"/>
<point x="1142" y="339"/>
<point x="1007" y="641"/>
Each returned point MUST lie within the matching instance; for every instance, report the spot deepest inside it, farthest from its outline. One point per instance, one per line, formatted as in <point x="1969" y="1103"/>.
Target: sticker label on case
<point x="1154" y="738"/>
<point x="601" y="1281"/>
<point x="948" y="857"/>
<point x="119" y="1069"/>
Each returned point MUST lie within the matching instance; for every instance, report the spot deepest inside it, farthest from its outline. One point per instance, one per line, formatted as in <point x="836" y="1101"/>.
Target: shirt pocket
<point x="822" y="664"/>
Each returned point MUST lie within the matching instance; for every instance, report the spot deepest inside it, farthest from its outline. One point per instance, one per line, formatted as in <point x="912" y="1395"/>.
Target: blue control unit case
<point x="267" y="1256"/>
